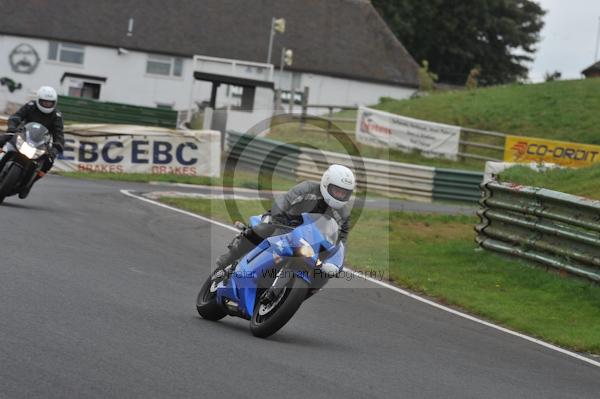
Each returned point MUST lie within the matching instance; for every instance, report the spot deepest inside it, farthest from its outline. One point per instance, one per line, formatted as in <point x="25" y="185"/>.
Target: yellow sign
<point x="530" y="149"/>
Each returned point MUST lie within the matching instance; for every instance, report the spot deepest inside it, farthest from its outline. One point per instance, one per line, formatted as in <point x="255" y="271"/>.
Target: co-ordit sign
<point x="529" y="149"/>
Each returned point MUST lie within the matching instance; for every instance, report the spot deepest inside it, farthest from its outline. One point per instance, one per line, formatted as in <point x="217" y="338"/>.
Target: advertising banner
<point x="529" y="149"/>
<point x="197" y="154"/>
<point x="382" y="129"/>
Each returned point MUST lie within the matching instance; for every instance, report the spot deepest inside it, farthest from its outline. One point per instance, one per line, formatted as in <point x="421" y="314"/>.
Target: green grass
<point x="245" y="179"/>
<point x="435" y="255"/>
<point x="584" y="182"/>
<point x="563" y="110"/>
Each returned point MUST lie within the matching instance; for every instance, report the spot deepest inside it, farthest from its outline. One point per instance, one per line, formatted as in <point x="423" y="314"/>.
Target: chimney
<point x="130" y="27"/>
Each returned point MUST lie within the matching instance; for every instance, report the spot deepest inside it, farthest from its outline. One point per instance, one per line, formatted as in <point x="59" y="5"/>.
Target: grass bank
<point x="435" y="255"/>
<point x="562" y="110"/>
<point x="584" y="182"/>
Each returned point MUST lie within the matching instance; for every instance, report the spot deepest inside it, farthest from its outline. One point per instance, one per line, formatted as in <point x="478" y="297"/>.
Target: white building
<point x="141" y="51"/>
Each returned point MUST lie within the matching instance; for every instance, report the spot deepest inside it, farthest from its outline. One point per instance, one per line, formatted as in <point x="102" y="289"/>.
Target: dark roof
<point x="345" y="38"/>
<point x="593" y="68"/>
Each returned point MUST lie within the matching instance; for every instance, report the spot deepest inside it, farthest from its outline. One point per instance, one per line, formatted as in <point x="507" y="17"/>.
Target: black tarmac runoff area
<point x="97" y="300"/>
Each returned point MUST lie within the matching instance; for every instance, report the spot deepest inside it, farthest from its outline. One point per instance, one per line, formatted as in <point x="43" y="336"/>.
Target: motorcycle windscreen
<point x="36" y="134"/>
<point x="327" y="228"/>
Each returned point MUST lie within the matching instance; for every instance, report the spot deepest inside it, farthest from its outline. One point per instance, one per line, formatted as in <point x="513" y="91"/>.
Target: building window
<point x="165" y="66"/>
<point x="66" y="52"/>
<point x="286" y="96"/>
<point x="85" y="90"/>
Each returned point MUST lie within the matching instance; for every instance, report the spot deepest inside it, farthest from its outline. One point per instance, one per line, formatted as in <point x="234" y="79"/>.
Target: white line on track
<point x="391" y="287"/>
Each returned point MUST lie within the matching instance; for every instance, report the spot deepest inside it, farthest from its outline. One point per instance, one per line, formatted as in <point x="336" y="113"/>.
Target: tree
<point x="455" y="36"/>
<point x="552" y="76"/>
<point x="473" y="79"/>
<point x="427" y="78"/>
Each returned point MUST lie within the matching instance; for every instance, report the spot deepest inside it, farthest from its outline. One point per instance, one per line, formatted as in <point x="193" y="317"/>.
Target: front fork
<point x="33" y="176"/>
<point x="282" y="280"/>
<point x="276" y="289"/>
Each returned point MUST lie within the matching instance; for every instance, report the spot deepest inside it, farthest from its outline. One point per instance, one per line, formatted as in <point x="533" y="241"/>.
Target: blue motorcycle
<point x="268" y="285"/>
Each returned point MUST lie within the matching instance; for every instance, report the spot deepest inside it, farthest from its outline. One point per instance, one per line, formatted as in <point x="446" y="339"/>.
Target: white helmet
<point x="46" y="99"/>
<point x="337" y="185"/>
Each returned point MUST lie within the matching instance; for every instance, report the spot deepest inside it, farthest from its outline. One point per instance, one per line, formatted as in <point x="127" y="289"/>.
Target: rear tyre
<point x="206" y="302"/>
<point x="9" y="180"/>
<point x="268" y="319"/>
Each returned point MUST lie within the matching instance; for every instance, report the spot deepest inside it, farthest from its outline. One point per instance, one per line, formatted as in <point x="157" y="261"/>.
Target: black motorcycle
<point x="22" y="158"/>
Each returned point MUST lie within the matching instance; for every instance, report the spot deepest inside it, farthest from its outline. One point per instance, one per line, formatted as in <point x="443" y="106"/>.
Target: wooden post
<point x="292" y="96"/>
<point x="278" y="103"/>
<point x="213" y="95"/>
<point x="462" y="148"/>
<point x="329" y="122"/>
<point x="304" y="108"/>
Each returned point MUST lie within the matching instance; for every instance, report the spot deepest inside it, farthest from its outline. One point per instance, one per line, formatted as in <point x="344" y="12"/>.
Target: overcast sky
<point x="568" y="38"/>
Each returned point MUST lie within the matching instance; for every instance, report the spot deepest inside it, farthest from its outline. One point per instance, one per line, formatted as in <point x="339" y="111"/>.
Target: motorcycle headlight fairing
<point x="27" y="150"/>
<point x="305" y="250"/>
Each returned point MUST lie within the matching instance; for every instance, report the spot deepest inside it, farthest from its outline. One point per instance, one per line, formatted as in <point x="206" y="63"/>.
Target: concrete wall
<point x="336" y="91"/>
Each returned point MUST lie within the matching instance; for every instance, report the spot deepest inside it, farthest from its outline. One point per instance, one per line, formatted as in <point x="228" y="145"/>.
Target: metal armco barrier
<point x="263" y="153"/>
<point x="558" y="230"/>
<point x="76" y="109"/>
<point x="420" y="183"/>
<point x="451" y="184"/>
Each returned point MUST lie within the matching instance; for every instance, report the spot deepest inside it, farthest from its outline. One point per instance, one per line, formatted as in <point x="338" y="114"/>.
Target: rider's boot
<point x="238" y="248"/>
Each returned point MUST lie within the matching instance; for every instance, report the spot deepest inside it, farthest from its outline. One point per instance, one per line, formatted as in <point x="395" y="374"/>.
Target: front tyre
<point x="10" y="178"/>
<point x="206" y="302"/>
<point x="267" y="319"/>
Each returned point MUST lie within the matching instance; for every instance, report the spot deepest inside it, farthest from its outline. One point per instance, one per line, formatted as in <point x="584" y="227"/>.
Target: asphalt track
<point x="97" y="296"/>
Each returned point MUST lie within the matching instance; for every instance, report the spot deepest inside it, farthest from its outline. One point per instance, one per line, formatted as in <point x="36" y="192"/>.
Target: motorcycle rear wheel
<point x="206" y="302"/>
<point x="286" y="305"/>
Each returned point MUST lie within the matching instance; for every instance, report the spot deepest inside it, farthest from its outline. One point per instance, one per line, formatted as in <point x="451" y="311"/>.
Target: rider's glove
<point x="4" y="138"/>
<point x="53" y="153"/>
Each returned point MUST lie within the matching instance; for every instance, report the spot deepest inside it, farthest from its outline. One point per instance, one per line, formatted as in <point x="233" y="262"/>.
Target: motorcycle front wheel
<point x="269" y="318"/>
<point x="9" y="180"/>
